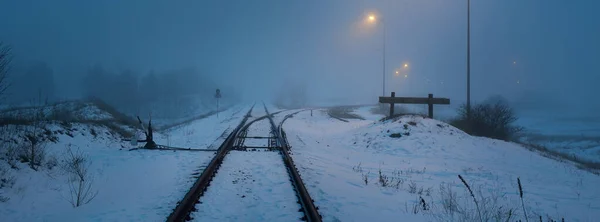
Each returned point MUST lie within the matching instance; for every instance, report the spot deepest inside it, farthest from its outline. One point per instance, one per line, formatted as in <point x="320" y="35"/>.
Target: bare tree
<point x="76" y="165"/>
<point x="35" y="150"/>
<point x="5" y="59"/>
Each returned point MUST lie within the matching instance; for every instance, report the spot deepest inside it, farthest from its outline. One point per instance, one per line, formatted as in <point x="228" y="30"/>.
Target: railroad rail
<point x="188" y="203"/>
<point x="235" y="141"/>
<point x="311" y="212"/>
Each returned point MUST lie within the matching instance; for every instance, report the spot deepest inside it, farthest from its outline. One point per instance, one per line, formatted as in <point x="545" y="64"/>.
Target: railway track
<point x="251" y="182"/>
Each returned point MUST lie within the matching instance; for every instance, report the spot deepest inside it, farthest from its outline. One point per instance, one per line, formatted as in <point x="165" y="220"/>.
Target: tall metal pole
<point x="383" y="24"/>
<point x="469" y="59"/>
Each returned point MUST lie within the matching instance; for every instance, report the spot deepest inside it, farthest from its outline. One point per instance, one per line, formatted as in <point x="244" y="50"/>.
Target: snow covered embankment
<point x="142" y="185"/>
<point x="408" y="168"/>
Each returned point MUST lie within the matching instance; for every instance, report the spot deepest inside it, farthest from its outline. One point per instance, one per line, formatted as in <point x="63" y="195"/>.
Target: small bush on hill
<point x="494" y="119"/>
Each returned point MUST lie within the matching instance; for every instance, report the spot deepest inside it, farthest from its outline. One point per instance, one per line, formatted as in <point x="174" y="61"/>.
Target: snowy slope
<point x="425" y="158"/>
<point x="139" y="185"/>
<point x="76" y="110"/>
<point x="574" y="135"/>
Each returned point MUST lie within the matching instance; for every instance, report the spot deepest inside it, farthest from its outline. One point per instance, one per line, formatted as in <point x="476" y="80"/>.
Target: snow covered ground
<point x="132" y="186"/>
<point x="360" y="170"/>
<point x="168" y="113"/>
<point x="572" y="133"/>
<point x="250" y="186"/>
<point x="575" y="135"/>
<point x="202" y="133"/>
<point x="407" y="169"/>
<point x="139" y="185"/>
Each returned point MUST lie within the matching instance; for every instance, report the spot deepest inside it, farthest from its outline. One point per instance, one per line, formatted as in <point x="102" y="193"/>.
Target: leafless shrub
<point x="448" y="199"/>
<point x="493" y="119"/>
<point x="398" y="183"/>
<point x="34" y="151"/>
<point x="420" y="205"/>
<point x="411" y="171"/>
<point x="358" y="168"/>
<point x="365" y="177"/>
<point x="460" y="208"/>
<point x="80" y="179"/>
<point x="384" y="180"/>
<point x="412" y="187"/>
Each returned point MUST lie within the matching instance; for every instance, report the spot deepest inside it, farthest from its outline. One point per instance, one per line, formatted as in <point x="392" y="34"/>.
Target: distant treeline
<point x="169" y="94"/>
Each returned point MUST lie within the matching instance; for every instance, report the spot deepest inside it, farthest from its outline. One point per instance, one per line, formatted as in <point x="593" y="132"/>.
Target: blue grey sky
<point x="525" y="50"/>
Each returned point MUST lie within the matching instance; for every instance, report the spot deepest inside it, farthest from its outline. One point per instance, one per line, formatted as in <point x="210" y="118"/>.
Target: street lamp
<point x="374" y="19"/>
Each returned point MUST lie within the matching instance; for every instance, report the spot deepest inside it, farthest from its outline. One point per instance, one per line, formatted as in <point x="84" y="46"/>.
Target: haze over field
<point x="535" y="53"/>
<point x="146" y="110"/>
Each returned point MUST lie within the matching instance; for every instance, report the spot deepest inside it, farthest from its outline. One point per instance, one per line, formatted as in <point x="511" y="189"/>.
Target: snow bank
<point x="140" y="185"/>
<point x="76" y="110"/>
<point x="418" y="156"/>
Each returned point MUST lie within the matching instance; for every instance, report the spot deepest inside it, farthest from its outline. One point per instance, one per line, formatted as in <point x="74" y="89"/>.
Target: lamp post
<point x="374" y="19"/>
<point x="469" y="59"/>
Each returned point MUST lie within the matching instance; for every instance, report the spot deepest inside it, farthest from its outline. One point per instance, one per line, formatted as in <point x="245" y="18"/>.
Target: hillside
<point x="140" y="185"/>
<point x="409" y="166"/>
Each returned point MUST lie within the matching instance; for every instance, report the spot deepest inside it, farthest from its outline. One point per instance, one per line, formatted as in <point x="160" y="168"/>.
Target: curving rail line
<point x="235" y="139"/>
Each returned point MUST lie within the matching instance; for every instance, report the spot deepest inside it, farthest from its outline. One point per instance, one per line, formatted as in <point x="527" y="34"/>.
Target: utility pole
<point x="218" y="96"/>
<point x="469" y="60"/>
<point x="383" y="24"/>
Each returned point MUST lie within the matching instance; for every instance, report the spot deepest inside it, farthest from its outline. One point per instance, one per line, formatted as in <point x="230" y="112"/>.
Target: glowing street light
<point x="405" y="65"/>
<point x="405" y="75"/>
<point x="371" y="18"/>
<point x="397" y="73"/>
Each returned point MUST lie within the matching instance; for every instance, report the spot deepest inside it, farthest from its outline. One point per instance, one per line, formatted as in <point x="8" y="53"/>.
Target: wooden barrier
<point x="430" y="101"/>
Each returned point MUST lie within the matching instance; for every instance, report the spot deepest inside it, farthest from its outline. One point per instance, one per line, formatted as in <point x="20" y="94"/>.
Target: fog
<point x="535" y="53"/>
